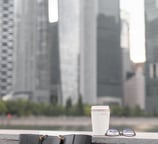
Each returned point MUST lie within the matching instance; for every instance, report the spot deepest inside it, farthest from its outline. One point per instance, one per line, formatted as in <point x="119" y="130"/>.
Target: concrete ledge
<point x="140" y="138"/>
<point x="12" y="137"/>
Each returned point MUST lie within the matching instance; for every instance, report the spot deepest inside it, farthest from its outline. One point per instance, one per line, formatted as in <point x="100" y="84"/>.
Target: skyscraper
<point x="55" y="75"/>
<point x="151" y="67"/>
<point x="125" y="43"/>
<point x="6" y="46"/>
<point x="32" y="59"/>
<point x="133" y="76"/>
<point x="88" y="50"/>
<point x="69" y="28"/>
<point x="101" y="63"/>
<point x="109" y="54"/>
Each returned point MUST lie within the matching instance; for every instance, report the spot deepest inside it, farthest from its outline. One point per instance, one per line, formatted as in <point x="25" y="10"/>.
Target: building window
<point x="4" y="44"/>
<point x="5" y="8"/>
<point x="153" y="70"/>
<point x="3" y="65"/>
<point x="3" y="80"/>
<point x="5" y="15"/>
<point x="4" y="58"/>
<point x="6" y="1"/>
<point x="5" y="29"/>
<point x="3" y="72"/>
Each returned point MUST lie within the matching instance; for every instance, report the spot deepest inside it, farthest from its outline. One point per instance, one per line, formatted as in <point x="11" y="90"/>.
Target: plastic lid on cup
<point x="100" y="107"/>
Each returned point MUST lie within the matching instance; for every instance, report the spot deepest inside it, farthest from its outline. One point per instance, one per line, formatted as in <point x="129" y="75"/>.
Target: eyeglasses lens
<point x="112" y="132"/>
<point x="128" y="132"/>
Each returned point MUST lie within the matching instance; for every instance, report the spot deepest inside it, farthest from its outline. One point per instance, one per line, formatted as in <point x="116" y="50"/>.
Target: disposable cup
<point x="100" y="117"/>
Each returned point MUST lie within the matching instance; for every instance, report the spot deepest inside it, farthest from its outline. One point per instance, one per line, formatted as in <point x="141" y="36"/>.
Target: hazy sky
<point x="137" y="33"/>
<point x="53" y="10"/>
<point x="136" y="11"/>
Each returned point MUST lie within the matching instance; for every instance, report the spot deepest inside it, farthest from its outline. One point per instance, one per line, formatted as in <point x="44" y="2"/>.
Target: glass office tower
<point x="109" y="55"/>
<point x="151" y="70"/>
<point x="101" y="61"/>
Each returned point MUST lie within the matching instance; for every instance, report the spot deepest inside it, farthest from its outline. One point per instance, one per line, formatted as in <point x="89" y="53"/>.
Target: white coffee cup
<point x="100" y="117"/>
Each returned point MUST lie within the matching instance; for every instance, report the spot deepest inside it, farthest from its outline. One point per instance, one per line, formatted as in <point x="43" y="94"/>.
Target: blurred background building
<point x="151" y="67"/>
<point x="101" y="63"/>
<point x="133" y="73"/>
<point x="88" y="51"/>
<point x="55" y="74"/>
<point x="125" y="43"/>
<point x="134" y="87"/>
<point x="6" y="46"/>
<point x="69" y="28"/>
<point x="32" y="59"/>
<point x="109" y="53"/>
<point x="35" y="52"/>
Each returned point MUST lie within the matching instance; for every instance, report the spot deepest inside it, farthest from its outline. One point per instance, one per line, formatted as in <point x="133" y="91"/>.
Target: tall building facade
<point x="6" y="46"/>
<point x="151" y="67"/>
<point x="69" y="28"/>
<point x="109" y="54"/>
<point x="134" y="87"/>
<point x="101" y="63"/>
<point x="125" y="44"/>
<point x="55" y="75"/>
<point x="32" y="60"/>
<point x="88" y="51"/>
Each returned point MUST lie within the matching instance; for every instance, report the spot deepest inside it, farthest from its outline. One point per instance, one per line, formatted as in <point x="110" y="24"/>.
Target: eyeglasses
<point x="125" y="132"/>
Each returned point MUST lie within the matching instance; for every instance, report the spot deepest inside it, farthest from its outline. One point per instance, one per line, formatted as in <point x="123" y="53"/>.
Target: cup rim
<point x="100" y="107"/>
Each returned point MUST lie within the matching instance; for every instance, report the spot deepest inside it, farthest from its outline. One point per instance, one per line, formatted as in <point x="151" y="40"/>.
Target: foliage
<point x="3" y="108"/>
<point x="87" y="110"/>
<point x="116" y="110"/>
<point x="26" y="108"/>
<point x="126" y="111"/>
<point x="80" y="107"/>
<point x="68" y="106"/>
<point x="53" y="99"/>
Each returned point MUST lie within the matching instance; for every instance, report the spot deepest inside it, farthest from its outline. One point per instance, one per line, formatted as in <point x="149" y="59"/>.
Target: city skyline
<point x="77" y="54"/>
<point x="136" y="11"/>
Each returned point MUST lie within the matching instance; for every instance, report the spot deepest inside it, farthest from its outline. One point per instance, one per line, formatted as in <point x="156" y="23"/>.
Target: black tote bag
<point x="61" y="139"/>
